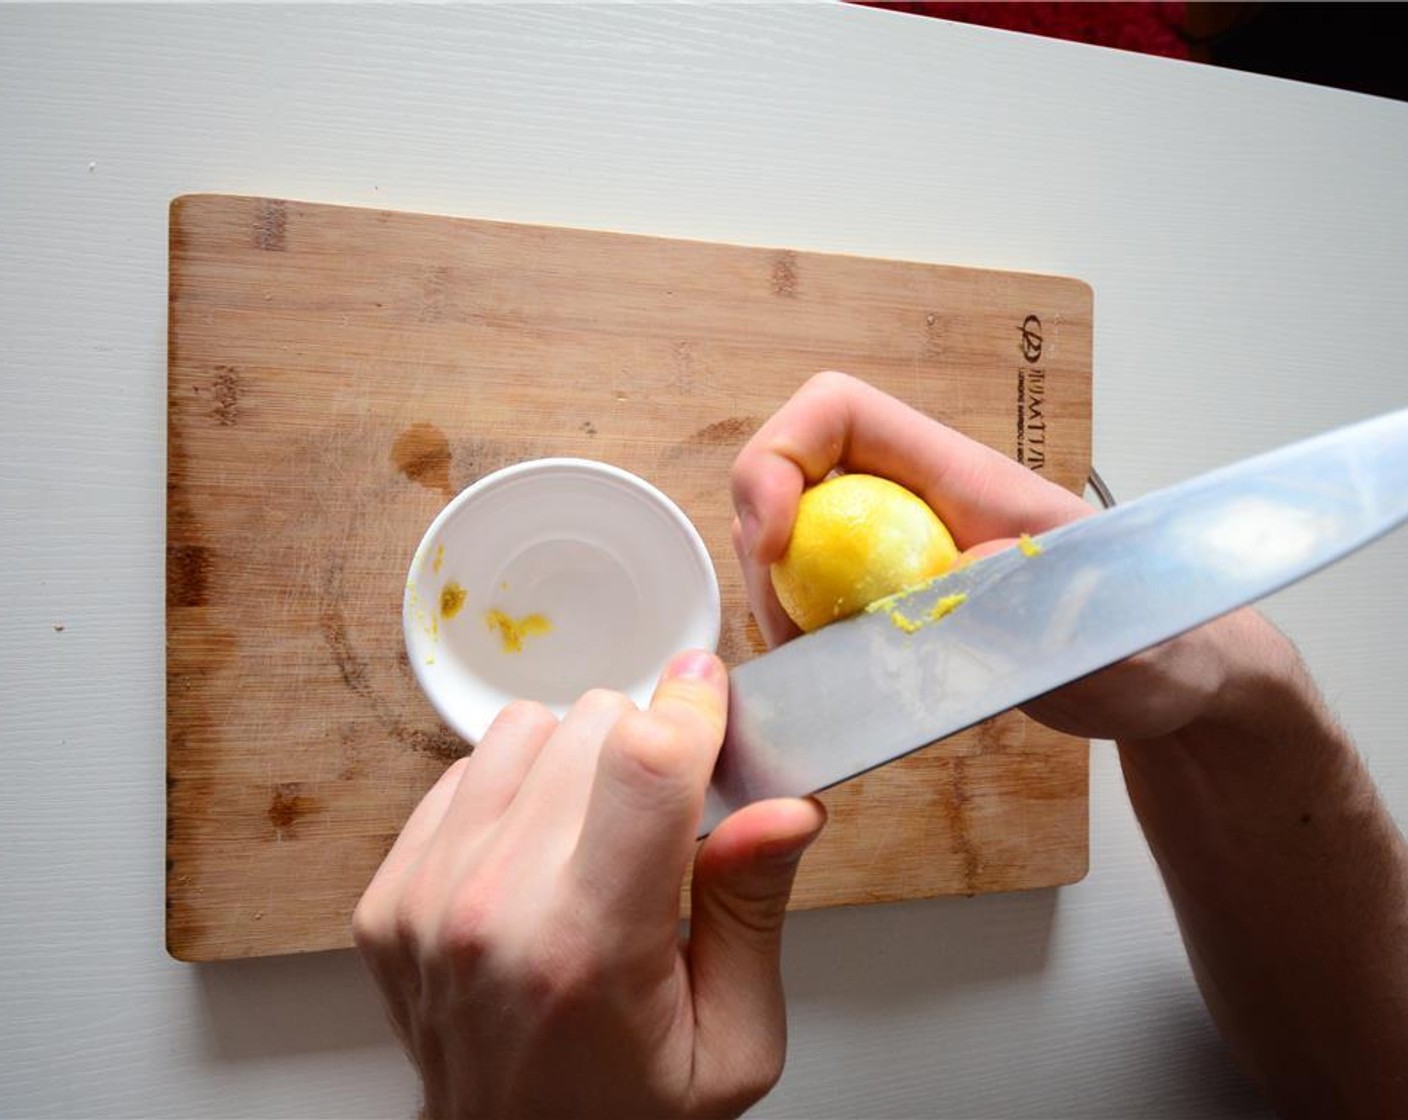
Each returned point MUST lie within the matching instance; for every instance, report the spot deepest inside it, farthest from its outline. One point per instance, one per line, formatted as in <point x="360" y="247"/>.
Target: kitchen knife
<point x="859" y="693"/>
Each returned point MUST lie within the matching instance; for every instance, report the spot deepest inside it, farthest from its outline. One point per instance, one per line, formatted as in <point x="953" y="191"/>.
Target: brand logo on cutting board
<point x="1031" y="396"/>
<point x="1031" y="339"/>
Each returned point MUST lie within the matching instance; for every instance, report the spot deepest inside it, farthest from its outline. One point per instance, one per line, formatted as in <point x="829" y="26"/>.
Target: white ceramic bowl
<point x="548" y="578"/>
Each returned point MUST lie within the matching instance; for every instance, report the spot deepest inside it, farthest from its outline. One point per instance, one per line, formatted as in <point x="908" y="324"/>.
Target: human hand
<point x="524" y="928"/>
<point x="986" y="500"/>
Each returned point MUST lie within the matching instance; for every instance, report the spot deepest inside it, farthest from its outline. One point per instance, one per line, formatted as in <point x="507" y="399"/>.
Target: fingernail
<point x="750" y="529"/>
<point x="694" y="665"/>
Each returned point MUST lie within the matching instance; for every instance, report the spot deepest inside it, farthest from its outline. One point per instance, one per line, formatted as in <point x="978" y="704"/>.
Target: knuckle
<point x="828" y="381"/>
<point x="412" y="912"/>
<point x="405" y="923"/>
<point x="577" y="988"/>
<point x="526" y="715"/>
<point x="602" y="700"/>
<point x="650" y="750"/>
<point x="474" y="920"/>
<point x="566" y="970"/>
<point x="370" y="929"/>
<point x="454" y="772"/>
<point x="466" y="931"/>
<point x="567" y="985"/>
<point x="698" y="711"/>
<point x="755" y="907"/>
<point x="740" y="473"/>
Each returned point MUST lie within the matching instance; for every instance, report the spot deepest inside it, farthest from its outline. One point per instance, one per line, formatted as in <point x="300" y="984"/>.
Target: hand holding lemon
<point x="857" y="538"/>
<point x="812" y="547"/>
<point x="834" y="422"/>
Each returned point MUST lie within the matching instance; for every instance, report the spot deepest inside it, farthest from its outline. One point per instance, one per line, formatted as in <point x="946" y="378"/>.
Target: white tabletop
<point x="1245" y="239"/>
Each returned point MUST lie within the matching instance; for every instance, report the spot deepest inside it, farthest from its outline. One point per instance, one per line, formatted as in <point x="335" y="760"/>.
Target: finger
<point x="496" y="769"/>
<point x="373" y="915"/>
<point x="743" y="878"/>
<point x="421" y="825"/>
<point x="836" y="420"/>
<point x="987" y="548"/>
<point x="552" y="802"/>
<point x="772" y="619"/>
<point x="794" y="449"/>
<point x="648" y="797"/>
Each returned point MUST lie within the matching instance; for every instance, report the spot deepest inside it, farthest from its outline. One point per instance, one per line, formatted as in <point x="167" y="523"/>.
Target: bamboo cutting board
<point x="336" y="375"/>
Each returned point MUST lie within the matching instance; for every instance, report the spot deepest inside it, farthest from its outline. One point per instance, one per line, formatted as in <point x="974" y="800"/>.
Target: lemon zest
<point x="512" y="631"/>
<point x="890" y="600"/>
<point x="946" y="606"/>
<point x="908" y="625"/>
<point x="452" y="597"/>
<point x="1028" y="546"/>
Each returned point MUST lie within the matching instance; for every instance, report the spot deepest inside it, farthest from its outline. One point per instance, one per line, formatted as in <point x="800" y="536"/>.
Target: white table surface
<point x="1245" y="239"/>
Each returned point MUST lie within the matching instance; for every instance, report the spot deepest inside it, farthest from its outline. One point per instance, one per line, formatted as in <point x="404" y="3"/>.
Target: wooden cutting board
<point x="336" y="375"/>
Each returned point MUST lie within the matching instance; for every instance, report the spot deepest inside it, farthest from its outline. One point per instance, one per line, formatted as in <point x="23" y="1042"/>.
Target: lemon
<point x="857" y="538"/>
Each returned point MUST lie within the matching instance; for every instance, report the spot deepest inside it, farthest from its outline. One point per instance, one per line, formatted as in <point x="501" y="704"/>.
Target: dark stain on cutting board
<point x="288" y="806"/>
<point x="734" y="430"/>
<point x="422" y="454"/>
<point x="717" y="444"/>
<point x="784" y="274"/>
<point x="227" y="387"/>
<point x="187" y="574"/>
<point x="271" y="225"/>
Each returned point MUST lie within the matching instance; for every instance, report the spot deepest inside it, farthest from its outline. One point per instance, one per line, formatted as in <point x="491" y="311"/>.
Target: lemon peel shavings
<point x="1028" y="546"/>
<point x="428" y="623"/>
<point x="452" y="597"/>
<point x="942" y="608"/>
<point x="884" y="604"/>
<point x="947" y="605"/>
<point x="900" y="622"/>
<point x="889" y="601"/>
<point x="512" y="631"/>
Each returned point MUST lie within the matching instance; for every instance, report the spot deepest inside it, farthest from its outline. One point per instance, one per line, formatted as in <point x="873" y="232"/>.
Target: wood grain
<point x="336" y="374"/>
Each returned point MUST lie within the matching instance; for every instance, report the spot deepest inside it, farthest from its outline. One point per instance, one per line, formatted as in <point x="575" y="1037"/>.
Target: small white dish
<point x="548" y="578"/>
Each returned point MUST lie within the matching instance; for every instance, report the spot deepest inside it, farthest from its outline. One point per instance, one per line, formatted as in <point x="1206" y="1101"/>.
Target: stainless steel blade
<point x="854" y="695"/>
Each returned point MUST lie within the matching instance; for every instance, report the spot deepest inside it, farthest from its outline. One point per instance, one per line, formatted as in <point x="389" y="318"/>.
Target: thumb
<point x="743" y="878"/>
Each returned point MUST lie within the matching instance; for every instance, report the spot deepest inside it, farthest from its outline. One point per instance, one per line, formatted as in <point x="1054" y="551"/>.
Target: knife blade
<point x="856" y="694"/>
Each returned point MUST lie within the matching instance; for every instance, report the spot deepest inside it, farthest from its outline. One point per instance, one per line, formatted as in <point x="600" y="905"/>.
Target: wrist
<point x="1264" y="741"/>
<point x="1261" y="723"/>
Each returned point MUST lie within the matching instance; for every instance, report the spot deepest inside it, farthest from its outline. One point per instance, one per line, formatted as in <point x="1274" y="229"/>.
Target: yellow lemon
<point x="857" y="538"/>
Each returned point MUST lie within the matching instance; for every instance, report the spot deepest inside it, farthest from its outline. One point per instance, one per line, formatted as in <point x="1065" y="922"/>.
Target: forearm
<point x="1290" y="882"/>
